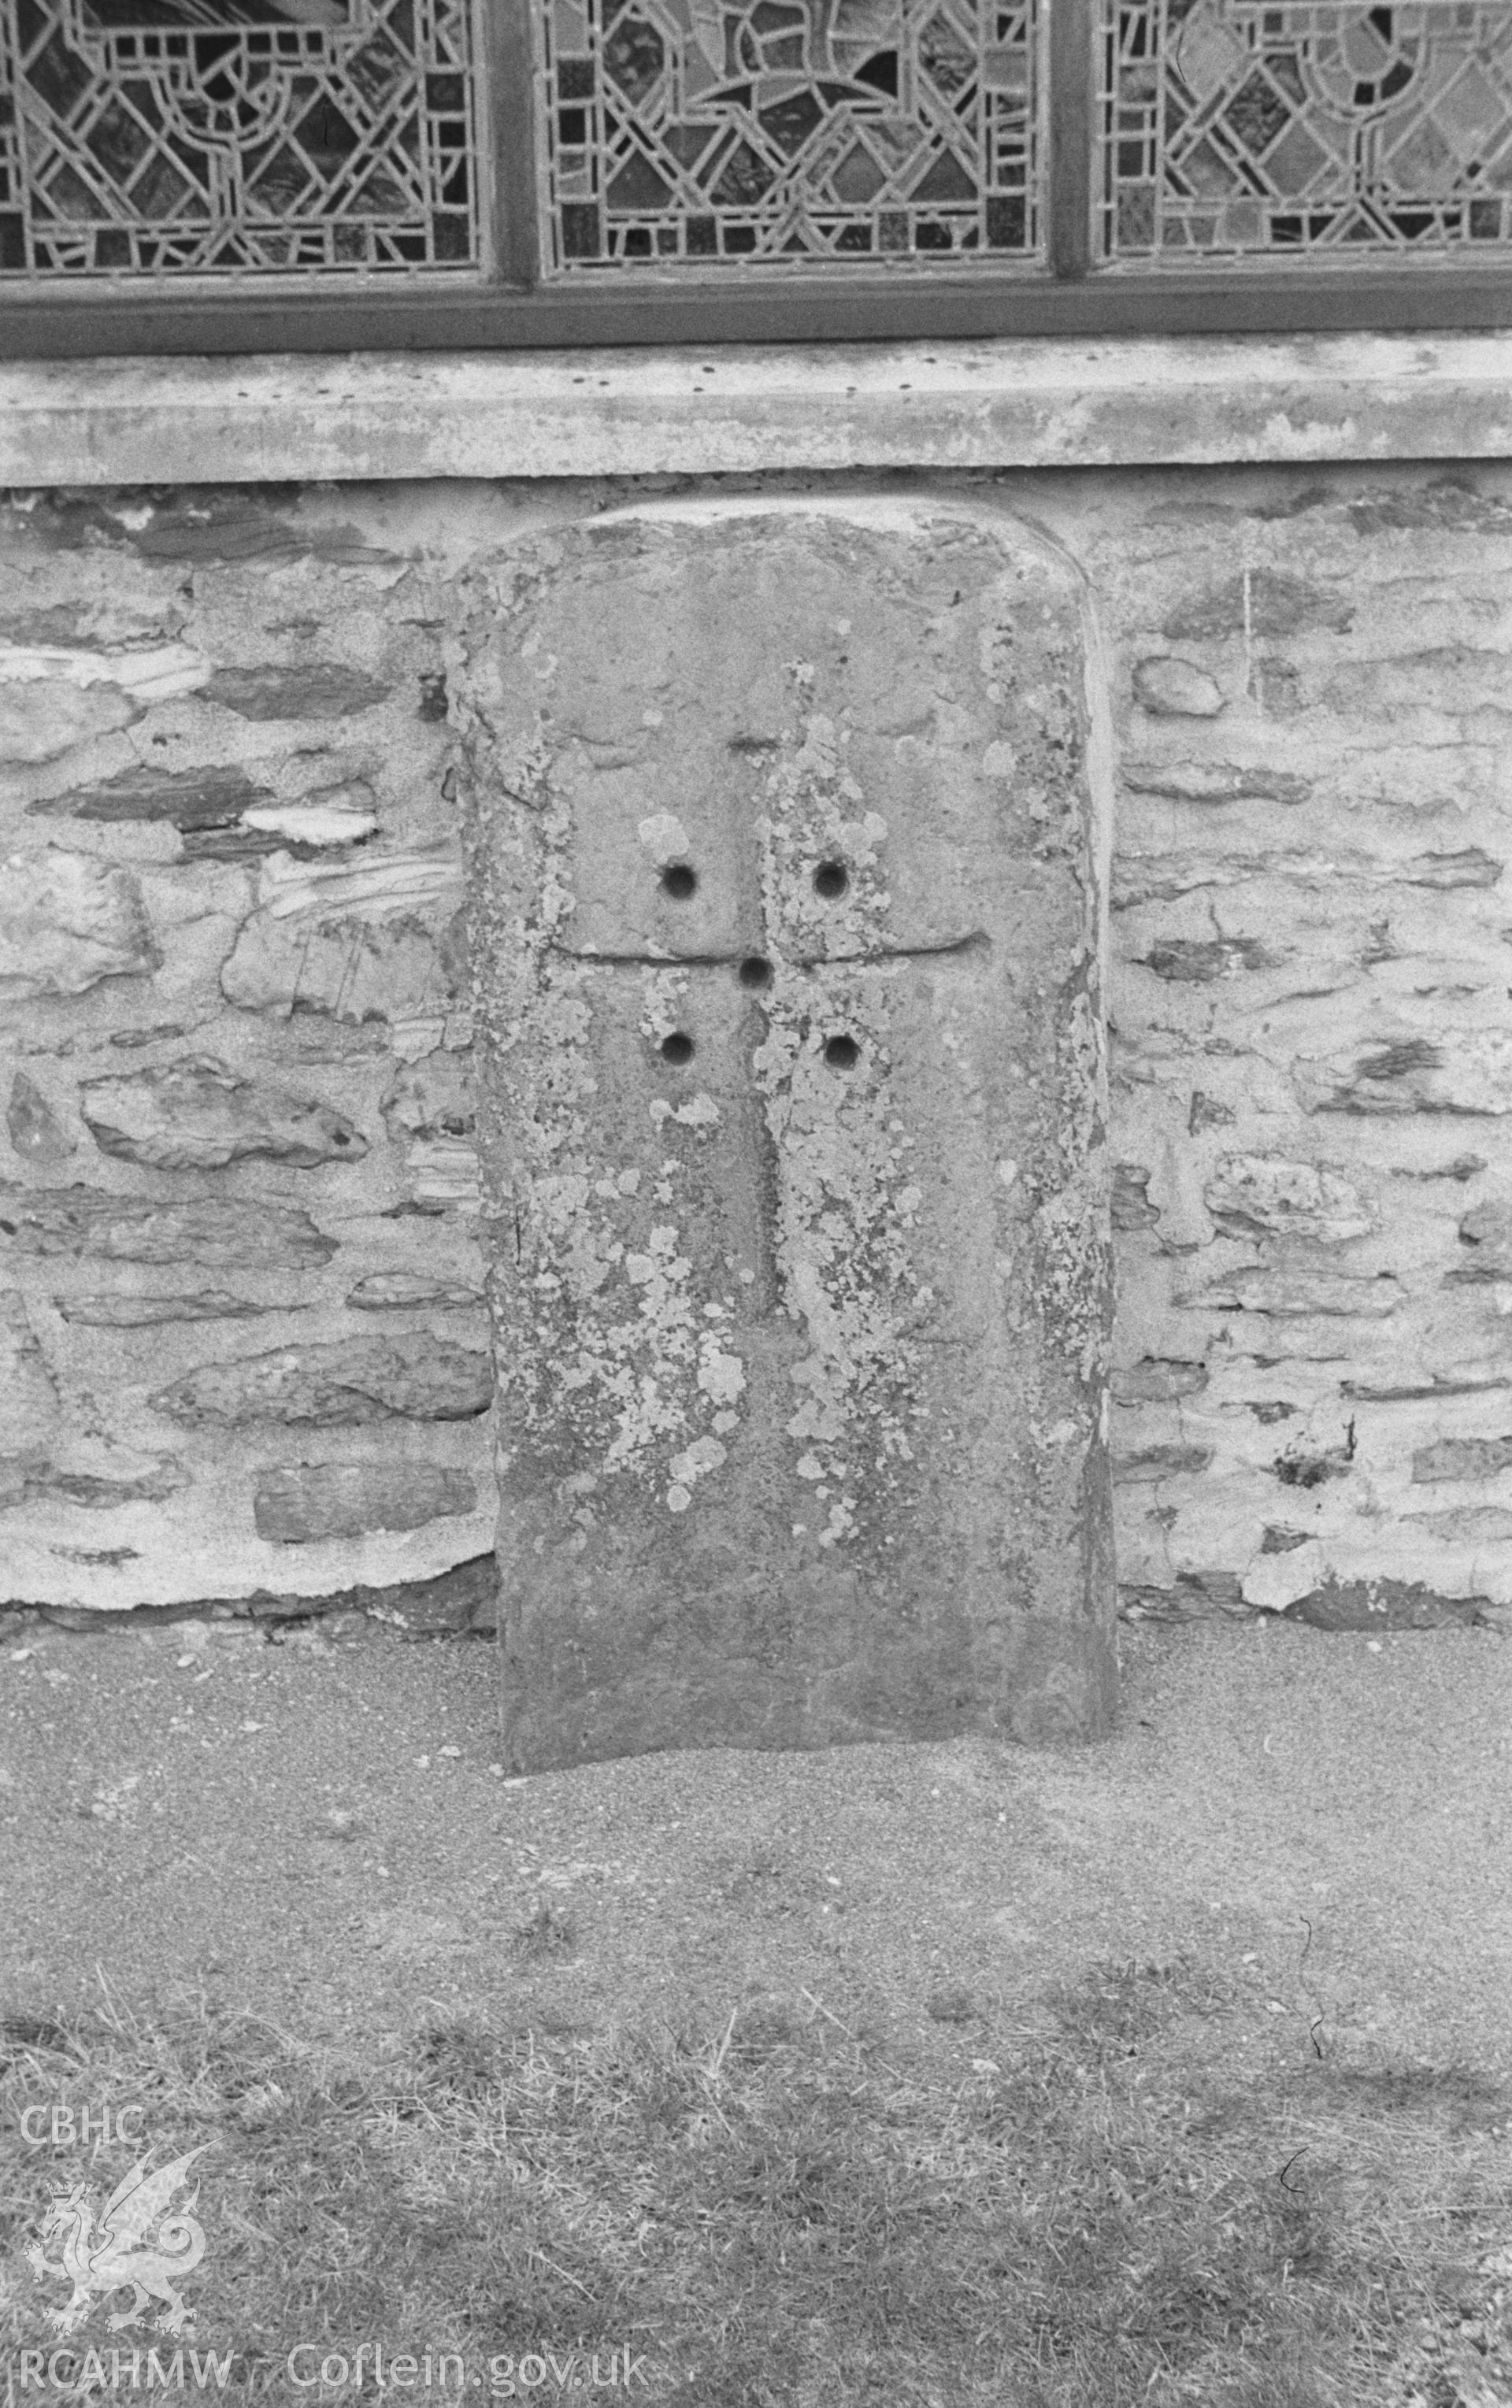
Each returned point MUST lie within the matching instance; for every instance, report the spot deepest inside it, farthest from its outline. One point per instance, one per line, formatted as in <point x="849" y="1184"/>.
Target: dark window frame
<point x="511" y="310"/>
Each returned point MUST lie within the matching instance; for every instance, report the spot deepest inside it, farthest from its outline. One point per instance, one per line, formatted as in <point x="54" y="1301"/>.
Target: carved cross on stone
<point x="787" y="920"/>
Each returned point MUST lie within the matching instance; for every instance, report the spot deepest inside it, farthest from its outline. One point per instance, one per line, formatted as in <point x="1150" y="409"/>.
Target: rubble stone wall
<point x="243" y="1349"/>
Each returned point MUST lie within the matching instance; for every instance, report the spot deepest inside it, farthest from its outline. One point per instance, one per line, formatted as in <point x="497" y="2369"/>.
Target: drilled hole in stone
<point x="830" y="879"/>
<point x="679" y="881"/>
<point x="677" y="1047"/>
<point x="755" y="972"/>
<point x="842" y="1052"/>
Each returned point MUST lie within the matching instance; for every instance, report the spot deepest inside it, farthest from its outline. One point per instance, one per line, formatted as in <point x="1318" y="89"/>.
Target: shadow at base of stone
<point x="460" y="1603"/>
<point x="1369" y="1605"/>
<point x="463" y="1603"/>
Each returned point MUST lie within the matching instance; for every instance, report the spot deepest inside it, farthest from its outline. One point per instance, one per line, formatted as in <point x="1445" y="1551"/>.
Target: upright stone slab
<point x="786" y="887"/>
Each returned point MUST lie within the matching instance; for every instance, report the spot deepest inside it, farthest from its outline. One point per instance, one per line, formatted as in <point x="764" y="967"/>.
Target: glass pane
<point x="235" y="138"/>
<point x="708" y="133"/>
<point x="1281" y="127"/>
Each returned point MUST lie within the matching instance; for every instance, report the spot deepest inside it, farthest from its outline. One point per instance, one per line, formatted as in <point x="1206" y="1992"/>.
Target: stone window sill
<point x="1015" y="403"/>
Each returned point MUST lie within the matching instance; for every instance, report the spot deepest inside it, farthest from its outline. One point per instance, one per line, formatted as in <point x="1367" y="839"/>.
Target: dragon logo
<point x="117" y="2252"/>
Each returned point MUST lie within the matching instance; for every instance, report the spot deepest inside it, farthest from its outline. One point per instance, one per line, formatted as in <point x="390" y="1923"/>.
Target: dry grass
<point x="783" y="2211"/>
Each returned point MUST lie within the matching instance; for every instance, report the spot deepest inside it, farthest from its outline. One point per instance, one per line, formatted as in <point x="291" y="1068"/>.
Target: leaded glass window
<point x="228" y="138"/>
<point x="790" y="130"/>
<point x="333" y="174"/>
<point x="1271" y="127"/>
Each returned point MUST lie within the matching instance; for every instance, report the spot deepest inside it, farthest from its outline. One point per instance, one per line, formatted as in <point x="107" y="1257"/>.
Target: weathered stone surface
<point x="1190" y="1597"/>
<point x="458" y="1600"/>
<point x="1448" y="681"/>
<point x="1287" y="1292"/>
<point x="1276" y="686"/>
<point x="1301" y="1466"/>
<point x="50" y="623"/>
<point x="36" y="1130"/>
<point x="45" y="717"/>
<point x="1214" y="781"/>
<point x="432" y="1099"/>
<point x="1457" y="1070"/>
<point x="380" y="886"/>
<point x="311" y="690"/>
<point x="464" y="1598"/>
<point x="1171" y="688"/>
<point x="413" y="1035"/>
<point x="245" y="523"/>
<point x="193" y="800"/>
<point x="337" y="815"/>
<point x="1382" y="1604"/>
<point x="28" y="1398"/>
<point x="14" y="1471"/>
<point x="1167" y="1461"/>
<point x="300" y="1502"/>
<point x="1132" y="1206"/>
<point x="1464" y="1168"/>
<point x="1472" y="1380"/>
<point x="1199" y="961"/>
<point x="1462" y="1459"/>
<point x="1155" y="1382"/>
<point x="352" y="971"/>
<point x="442" y="1173"/>
<point x="349" y="1381"/>
<point x="1485" y="1233"/>
<point x="145" y="1311"/>
<point x="1164" y="876"/>
<point x="26" y="1477"/>
<point x="260" y="1236"/>
<point x="360" y="939"/>
<point x="1254" y="1194"/>
<point x="1345" y="881"/>
<point x="196" y="1114"/>
<point x="432" y="1104"/>
<point x="68" y="920"/>
<point x="385" y="1291"/>
<point x="1445" y="502"/>
<point x="1279" y="1541"/>
<point x="771" y="1240"/>
<point x="148" y="672"/>
<point x="1261" y="602"/>
<point x="1470" y="866"/>
<point x="1467" y="1525"/>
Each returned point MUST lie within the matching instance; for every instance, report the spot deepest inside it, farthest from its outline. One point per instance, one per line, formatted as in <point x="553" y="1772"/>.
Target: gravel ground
<point x="313" y="1831"/>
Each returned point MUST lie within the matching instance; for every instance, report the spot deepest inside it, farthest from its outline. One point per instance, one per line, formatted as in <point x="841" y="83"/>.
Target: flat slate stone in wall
<point x="196" y="1114"/>
<point x="343" y="1501"/>
<point x="313" y="690"/>
<point x="143" y="1312"/>
<point x="352" y="1379"/>
<point x="221" y="1236"/>
<point x="387" y="1290"/>
<point x="785" y="836"/>
<point x="192" y="800"/>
